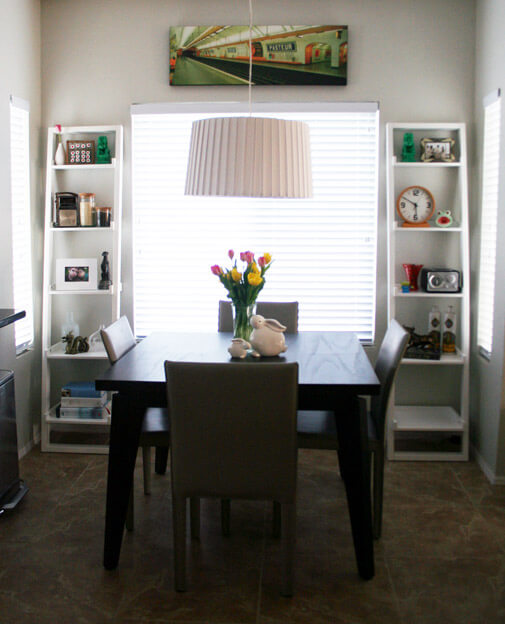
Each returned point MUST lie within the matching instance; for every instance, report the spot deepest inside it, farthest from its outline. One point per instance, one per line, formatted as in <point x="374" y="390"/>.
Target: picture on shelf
<point x="76" y="274"/>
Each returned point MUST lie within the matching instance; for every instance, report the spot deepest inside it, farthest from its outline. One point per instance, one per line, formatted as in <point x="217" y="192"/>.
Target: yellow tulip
<point x="236" y="275"/>
<point x="268" y="257"/>
<point x="254" y="279"/>
<point x="255" y="268"/>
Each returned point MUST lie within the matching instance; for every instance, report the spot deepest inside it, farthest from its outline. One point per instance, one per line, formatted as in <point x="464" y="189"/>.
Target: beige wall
<point x="20" y="76"/>
<point x="488" y="404"/>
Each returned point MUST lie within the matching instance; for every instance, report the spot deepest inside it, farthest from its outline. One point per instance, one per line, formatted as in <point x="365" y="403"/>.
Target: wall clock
<point x="415" y="205"/>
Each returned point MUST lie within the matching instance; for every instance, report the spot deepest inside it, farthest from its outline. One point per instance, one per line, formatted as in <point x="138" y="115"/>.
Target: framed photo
<point x="80" y="152"/>
<point x="437" y="150"/>
<point x="76" y="274"/>
<point x="280" y="55"/>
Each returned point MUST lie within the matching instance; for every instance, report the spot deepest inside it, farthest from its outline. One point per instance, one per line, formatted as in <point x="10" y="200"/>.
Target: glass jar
<point x="87" y="210"/>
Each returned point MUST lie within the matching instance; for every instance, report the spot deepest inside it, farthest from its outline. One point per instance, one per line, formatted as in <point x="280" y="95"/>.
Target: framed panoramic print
<point x="281" y="55"/>
<point x="76" y="274"/>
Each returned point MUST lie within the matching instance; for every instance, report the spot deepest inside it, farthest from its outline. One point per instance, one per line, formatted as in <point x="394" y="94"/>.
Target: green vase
<point x="242" y="320"/>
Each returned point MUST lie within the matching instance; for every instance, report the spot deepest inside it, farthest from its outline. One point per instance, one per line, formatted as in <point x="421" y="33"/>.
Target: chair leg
<point x="179" y="512"/>
<point x="276" y="519"/>
<point x="377" y="491"/>
<point x="288" y="520"/>
<point x="160" y="460"/>
<point x="225" y="516"/>
<point x="146" y="465"/>
<point x="194" y="516"/>
<point x="129" y="512"/>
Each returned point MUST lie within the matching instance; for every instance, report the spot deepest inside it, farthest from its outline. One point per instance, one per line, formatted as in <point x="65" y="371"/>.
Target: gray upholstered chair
<point x="118" y="339"/>
<point x="226" y="447"/>
<point x="317" y="430"/>
<point x="287" y="314"/>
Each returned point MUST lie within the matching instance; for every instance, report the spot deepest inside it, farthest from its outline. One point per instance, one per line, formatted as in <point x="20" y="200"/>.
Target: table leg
<point x="126" y="422"/>
<point x="355" y="464"/>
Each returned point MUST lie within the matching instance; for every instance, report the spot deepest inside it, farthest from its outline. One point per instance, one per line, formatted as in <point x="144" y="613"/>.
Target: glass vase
<point x="242" y="314"/>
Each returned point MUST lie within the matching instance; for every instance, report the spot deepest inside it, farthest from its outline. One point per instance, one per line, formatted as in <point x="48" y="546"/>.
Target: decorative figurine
<point x="238" y="348"/>
<point x="75" y="345"/>
<point x="444" y="219"/>
<point x="102" y="151"/>
<point x="105" y="279"/>
<point x="267" y="337"/>
<point x="409" y="150"/>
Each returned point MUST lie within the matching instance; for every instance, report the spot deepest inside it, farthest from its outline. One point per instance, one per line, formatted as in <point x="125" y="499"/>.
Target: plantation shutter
<point x="21" y="222"/>
<point x="324" y="248"/>
<point x="489" y="218"/>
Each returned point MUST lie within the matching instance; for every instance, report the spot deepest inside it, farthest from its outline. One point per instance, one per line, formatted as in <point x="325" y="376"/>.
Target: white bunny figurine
<point x="267" y="337"/>
<point x="238" y="348"/>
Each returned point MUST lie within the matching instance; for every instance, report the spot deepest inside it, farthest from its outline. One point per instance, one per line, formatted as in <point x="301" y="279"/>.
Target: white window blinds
<point x="489" y="217"/>
<point x="21" y="223"/>
<point x="324" y="248"/>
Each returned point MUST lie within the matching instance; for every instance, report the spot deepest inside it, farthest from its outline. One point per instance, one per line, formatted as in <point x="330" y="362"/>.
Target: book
<point x="81" y="389"/>
<point x="70" y="401"/>
<point x="84" y="413"/>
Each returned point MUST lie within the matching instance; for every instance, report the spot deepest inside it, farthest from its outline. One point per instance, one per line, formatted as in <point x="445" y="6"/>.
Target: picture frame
<point x="76" y="274"/>
<point x="81" y="152"/>
<point x="437" y="150"/>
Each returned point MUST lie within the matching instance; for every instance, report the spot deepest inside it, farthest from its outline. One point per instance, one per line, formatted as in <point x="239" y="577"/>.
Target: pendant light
<point x="249" y="156"/>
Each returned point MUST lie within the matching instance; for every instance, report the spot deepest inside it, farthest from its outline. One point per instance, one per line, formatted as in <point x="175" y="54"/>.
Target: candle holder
<point x="412" y="273"/>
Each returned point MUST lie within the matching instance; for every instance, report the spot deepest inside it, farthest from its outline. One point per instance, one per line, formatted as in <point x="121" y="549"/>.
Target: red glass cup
<point x="412" y="273"/>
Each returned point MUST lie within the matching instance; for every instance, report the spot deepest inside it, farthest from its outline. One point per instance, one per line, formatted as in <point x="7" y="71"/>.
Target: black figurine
<point x="105" y="280"/>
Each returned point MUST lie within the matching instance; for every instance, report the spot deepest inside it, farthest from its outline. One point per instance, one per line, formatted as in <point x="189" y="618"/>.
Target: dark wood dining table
<point x="334" y="371"/>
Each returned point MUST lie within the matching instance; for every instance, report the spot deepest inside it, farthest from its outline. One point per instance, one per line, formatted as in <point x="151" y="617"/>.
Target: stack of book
<point x="80" y="401"/>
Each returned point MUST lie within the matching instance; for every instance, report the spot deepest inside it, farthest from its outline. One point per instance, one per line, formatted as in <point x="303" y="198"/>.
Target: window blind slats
<point x="489" y="218"/>
<point x="324" y="248"/>
<point x="21" y="223"/>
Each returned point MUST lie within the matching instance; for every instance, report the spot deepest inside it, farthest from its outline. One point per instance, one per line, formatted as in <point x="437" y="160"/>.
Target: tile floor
<point x="441" y="559"/>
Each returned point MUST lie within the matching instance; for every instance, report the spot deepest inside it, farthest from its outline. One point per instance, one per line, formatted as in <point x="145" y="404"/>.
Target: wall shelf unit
<point x="90" y="308"/>
<point x="428" y="417"/>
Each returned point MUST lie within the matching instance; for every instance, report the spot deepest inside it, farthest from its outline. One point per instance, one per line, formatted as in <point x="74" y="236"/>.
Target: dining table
<point x="333" y="372"/>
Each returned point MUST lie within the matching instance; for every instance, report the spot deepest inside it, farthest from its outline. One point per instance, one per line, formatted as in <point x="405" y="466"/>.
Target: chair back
<point x="286" y="312"/>
<point x="233" y="429"/>
<point x="118" y="338"/>
<point x="390" y="354"/>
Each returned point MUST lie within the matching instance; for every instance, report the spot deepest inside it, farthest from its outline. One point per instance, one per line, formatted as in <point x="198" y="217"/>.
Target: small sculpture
<point x="75" y="345"/>
<point x="102" y="151"/>
<point x="444" y="219"/>
<point x="409" y="150"/>
<point x="105" y="279"/>
<point x="238" y="348"/>
<point x="267" y="337"/>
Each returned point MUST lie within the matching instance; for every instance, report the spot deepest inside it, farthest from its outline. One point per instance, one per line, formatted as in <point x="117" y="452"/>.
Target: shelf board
<point x="108" y="292"/>
<point x="76" y="167"/>
<point x="399" y="228"/>
<point x="420" y="293"/>
<point x="427" y="418"/>
<point x="83" y="229"/>
<point x="446" y="359"/>
<point x="57" y="351"/>
<point x="426" y="164"/>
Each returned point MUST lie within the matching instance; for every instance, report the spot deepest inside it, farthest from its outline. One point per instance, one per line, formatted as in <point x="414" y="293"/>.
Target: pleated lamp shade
<point x="249" y="157"/>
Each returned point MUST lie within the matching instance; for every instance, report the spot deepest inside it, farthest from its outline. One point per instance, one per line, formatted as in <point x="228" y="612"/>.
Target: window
<point x="489" y="217"/>
<point x="324" y="248"/>
<point x="21" y="226"/>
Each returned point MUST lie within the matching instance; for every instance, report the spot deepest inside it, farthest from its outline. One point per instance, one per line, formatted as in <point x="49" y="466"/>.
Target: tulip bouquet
<point x="243" y="287"/>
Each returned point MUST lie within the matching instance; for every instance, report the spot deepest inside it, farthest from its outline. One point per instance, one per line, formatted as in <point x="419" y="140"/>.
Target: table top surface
<point x="325" y="359"/>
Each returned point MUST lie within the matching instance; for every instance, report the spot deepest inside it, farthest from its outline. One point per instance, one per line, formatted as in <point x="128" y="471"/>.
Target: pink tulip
<point x="231" y="253"/>
<point x="216" y="269"/>
<point x="249" y="257"/>
<point x="262" y="262"/>
<point x="58" y="128"/>
<point x="242" y="256"/>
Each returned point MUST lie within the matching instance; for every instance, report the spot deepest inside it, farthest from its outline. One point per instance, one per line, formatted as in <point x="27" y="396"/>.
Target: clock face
<point x="415" y="205"/>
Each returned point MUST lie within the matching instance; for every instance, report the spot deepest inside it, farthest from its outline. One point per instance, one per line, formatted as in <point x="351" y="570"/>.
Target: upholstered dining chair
<point x="225" y="447"/>
<point x="317" y="429"/>
<point x="286" y="312"/>
<point x="118" y="339"/>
